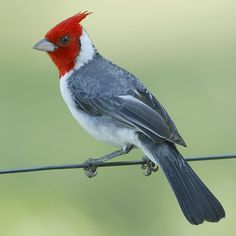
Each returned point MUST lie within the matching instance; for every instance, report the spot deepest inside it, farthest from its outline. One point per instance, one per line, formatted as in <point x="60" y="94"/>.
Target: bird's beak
<point x="45" y="45"/>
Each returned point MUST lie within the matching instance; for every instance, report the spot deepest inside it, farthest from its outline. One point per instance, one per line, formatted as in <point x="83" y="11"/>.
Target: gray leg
<point x="91" y="171"/>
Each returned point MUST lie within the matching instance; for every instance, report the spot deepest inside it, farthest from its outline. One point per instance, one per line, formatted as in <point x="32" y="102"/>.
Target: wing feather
<point x="130" y="111"/>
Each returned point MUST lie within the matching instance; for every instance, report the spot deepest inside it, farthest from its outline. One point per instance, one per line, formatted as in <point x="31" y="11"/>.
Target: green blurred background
<point x="184" y="51"/>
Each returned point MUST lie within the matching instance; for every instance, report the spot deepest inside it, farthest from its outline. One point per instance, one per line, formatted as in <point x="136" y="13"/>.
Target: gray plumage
<point x="107" y="99"/>
<point x="98" y="89"/>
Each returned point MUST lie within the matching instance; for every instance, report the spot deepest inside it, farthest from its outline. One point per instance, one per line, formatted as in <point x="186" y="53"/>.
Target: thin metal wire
<point x="107" y="164"/>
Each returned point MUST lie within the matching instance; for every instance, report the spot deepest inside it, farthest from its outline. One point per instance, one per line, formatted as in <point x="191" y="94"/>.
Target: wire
<point x="107" y="164"/>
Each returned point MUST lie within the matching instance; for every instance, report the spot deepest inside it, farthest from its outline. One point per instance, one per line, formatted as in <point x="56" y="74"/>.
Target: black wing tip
<point x="182" y="143"/>
<point x="177" y="141"/>
<point x="175" y="137"/>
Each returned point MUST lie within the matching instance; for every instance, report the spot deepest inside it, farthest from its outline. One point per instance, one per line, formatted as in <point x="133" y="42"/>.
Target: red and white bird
<point x="114" y="106"/>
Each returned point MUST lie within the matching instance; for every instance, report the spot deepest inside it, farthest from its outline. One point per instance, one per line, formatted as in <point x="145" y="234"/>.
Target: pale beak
<point x="45" y="45"/>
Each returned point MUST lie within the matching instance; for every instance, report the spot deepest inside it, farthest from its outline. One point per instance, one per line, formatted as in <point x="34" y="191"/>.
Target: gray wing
<point x="102" y="88"/>
<point x="132" y="112"/>
<point x="145" y="96"/>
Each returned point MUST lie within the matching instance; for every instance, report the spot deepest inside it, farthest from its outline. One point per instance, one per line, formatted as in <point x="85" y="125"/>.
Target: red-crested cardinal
<point x="114" y="106"/>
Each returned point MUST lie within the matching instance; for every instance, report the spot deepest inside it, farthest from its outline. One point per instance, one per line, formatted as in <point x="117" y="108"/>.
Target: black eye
<point x="64" y="41"/>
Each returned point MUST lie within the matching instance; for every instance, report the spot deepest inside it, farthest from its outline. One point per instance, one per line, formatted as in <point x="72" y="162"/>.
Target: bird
<point x="113" y="106"/>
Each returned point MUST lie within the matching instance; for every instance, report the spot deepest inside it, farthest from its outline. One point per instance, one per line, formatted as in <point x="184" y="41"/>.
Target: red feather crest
<point x="69" y="25"/>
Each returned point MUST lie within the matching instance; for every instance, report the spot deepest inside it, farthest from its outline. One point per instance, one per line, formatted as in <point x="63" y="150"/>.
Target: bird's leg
<point x="148" y="167"/>
<point x="112" y="155"/>
<point x="91" y="171"/>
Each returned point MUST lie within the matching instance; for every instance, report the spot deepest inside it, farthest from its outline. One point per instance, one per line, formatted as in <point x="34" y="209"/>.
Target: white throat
<point x="87" y="51"/>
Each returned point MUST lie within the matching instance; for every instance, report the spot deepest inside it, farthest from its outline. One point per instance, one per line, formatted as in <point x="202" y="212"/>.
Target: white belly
<point x="97" y="126"/>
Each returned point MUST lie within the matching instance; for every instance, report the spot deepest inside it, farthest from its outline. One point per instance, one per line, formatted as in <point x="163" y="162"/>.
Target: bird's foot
<point x="148" y="167"/>
<point x="91" y="170"/>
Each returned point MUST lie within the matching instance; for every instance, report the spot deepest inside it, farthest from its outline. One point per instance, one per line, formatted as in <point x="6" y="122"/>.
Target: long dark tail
<point x="195" y="199"/>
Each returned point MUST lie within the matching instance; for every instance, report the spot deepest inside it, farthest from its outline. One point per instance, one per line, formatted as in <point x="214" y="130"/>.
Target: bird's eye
<point x="64" y="41"/>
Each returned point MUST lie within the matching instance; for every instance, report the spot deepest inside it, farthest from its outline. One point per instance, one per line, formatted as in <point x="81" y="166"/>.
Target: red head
<point x="62" y="42"/>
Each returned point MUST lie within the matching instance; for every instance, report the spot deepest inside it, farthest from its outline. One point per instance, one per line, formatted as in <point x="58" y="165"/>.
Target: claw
<point x="91" y="170"/>
<point x="148" y="167"/>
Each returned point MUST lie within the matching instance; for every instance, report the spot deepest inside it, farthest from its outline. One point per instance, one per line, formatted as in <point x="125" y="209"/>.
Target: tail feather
<point x="213" y="211"/>
<point x="195" y="199"/>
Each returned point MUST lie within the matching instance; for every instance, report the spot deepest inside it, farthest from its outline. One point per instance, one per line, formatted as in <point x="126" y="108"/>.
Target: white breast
<point x="99" y="127"/>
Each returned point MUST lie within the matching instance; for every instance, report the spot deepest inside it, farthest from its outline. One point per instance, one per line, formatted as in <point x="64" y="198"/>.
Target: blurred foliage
<point x="184" y="51"/>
